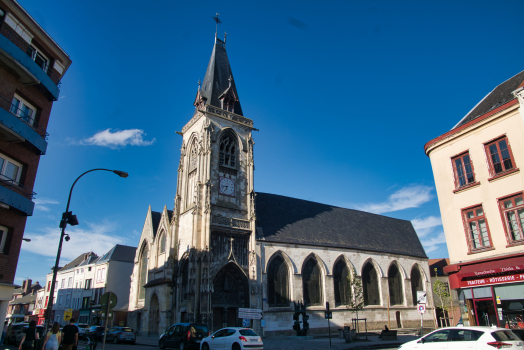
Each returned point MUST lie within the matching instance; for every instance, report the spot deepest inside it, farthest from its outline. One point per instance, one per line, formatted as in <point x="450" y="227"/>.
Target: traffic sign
<point x="105" y="297"/>
<point x="422" y="297"/>
<point x="328" y="315"/>
<point x="252" y="314"/>
<point x="422" y="308"/>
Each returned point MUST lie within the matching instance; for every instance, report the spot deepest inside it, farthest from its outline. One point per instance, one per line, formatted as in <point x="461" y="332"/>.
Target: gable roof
<point x="119" y="252"/>
<point x="501" y="95"/>
<point x="216" y="80"/>
<point x="155" y="218"/>
<point x="290" y="220"/>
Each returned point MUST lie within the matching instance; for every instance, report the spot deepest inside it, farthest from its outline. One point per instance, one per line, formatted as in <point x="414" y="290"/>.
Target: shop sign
<point x="492" y="280"/>
<point x="494" y="271"/>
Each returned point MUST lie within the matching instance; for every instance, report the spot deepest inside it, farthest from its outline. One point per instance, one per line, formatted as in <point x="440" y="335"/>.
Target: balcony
<point x="16" y="196"/>
<point x="17" y="126"/>
<point x="15" y="53"/>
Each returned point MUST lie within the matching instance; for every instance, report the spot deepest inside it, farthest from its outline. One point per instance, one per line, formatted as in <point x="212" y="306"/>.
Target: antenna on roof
<point x="225" y="37"/>
<point x="217" y="21"/>
<point x="199" y="83"/>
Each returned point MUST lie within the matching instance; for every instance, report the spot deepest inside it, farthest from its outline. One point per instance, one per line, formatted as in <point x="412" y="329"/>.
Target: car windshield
<point x="248" y="332"/>
<point x="18" y="326"/>
<point x="82" y="326"/>
<point x="126" y="330"/>
<point x="504" y="335"/>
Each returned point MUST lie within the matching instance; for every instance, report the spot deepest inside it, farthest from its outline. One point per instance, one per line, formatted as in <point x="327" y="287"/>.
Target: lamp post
<point x="68" y="218"/>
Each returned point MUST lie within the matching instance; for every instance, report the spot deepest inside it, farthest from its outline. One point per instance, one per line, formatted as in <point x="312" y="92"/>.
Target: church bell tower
<point x="214" y="214"/>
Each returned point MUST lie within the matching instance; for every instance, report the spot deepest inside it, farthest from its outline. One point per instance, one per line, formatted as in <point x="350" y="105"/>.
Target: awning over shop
<point x="490" y="271"/>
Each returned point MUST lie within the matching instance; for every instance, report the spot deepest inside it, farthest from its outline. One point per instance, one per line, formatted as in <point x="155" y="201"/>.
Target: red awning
<point x="487" y="268"/>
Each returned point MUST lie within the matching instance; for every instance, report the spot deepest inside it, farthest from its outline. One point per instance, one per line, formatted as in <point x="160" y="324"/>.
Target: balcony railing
<point x="8" y="32"/>
<point x="16" y="187"/>
<point x="20" y="114"/>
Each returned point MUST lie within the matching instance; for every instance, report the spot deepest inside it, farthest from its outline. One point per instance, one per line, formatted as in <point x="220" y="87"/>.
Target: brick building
<point x="31" y="66"/>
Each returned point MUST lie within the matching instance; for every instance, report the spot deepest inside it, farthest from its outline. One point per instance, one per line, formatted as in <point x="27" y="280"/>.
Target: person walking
<point x="4" y="333"/>
<point x="70" y="336"/>
<point x="53" y="338"/>
<point x="30" y="335"/>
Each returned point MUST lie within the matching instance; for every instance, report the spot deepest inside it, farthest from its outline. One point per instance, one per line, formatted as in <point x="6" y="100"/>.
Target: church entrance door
<point x="231" y="291"/>
<point x="154" y="315"/>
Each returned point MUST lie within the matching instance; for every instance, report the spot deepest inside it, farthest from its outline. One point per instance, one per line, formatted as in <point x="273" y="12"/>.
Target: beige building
<point x="225" y="247"/>
<point x="480" y="191"/>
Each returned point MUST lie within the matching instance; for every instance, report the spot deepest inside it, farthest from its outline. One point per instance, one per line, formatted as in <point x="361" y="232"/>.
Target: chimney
<point x="27" y="286"/>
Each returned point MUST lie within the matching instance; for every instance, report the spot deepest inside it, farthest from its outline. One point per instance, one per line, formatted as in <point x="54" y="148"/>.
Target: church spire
<point x="219" y="89"/>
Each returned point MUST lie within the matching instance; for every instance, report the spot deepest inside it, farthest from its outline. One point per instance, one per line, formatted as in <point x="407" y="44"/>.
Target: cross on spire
<point x="217" y="21"/>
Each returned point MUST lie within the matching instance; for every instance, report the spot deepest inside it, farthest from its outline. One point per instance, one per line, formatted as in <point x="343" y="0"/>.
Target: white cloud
<point x="426" y="225"/>
<point x="98" y="238"/>
<point x="407" y="197"/>
<point x="121" y="138"/>
<point x="41" y="203"/>
<point x="430" y="244"/>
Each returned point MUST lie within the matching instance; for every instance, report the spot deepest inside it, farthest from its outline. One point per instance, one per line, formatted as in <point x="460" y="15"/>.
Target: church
<point x="225" y="246"/>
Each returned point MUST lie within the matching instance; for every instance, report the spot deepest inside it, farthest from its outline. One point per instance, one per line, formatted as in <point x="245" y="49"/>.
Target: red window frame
<point x="464" y="173"/>
<point x="499" y="156"/>
<point x="513" y="227"/>
<point x="475" y="214"/>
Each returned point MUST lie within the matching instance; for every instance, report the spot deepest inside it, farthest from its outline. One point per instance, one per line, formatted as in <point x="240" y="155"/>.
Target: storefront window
<point x="510" y="304"/>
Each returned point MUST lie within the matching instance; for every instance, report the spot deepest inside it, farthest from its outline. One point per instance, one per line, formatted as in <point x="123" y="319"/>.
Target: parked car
<point x="458" y="338"/>
<point x="120" y="335"/>
<point x="234" y="338"/>
<point x="183" y="336"/>
<point x="12" y="331"/>
<point x="96" y="332"/>
<point x="20" y="335"/>
<point x="82" y="327"/>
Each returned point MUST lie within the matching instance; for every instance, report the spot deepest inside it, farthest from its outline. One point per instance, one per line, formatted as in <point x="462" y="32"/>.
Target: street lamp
<point x="68" y="218"/>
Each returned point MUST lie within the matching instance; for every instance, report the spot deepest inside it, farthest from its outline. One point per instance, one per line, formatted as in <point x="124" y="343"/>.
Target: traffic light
<point x="68" y="218"/>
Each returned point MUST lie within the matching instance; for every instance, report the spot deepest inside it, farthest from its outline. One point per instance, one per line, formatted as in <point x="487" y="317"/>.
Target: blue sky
<point x="345" y="95"/>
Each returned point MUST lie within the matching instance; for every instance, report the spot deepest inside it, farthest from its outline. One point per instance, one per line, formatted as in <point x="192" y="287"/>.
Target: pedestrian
<point x="30" y="335"/>
<point x="70" y="336"/>
<point x="53" y="338"/>
<point x="4" y="333"/>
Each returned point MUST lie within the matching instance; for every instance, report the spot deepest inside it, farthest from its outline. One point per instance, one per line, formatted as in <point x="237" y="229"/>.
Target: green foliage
<point x="356" y="294"/>
<point x="442" y="296"/>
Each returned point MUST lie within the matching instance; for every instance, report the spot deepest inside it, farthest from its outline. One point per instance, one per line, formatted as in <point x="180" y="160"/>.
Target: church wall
<point x="185" y="232"/>
<point x="280" y="319"/>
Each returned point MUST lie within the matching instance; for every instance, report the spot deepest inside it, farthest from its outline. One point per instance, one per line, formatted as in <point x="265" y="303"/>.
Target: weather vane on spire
<point x="217" y="21"/>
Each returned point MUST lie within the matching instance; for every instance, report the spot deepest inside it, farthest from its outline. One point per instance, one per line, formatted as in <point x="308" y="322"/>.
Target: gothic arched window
<point x="228" y="148"/>
<point x="342" y="291"/>
<point x="277" y="283"/>
<point x="142" y="280"/>
<point x="192" y="174"/>
<point x="162" y="243"/>
<point x="416" y="283"/>
<point x="312" y="283"/>
<point x="396" y="295"/>
<point x="370" y="285"/>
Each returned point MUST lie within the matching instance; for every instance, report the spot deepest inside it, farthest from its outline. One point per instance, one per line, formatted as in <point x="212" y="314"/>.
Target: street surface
<point x="270" y="343"/>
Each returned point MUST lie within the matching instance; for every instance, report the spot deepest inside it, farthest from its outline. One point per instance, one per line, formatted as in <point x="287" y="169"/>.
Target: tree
<point x="442" y="296"/>
<point x="356" y="295"/>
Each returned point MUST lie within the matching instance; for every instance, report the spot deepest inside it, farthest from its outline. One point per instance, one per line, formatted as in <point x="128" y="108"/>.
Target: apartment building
<point x="476" y="166"/>
<point x="81" y="283"/>
<point x="32" y="65"/>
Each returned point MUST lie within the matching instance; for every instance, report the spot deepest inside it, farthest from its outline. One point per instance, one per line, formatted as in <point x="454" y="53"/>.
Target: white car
<point x="463" y="338"/>
<point x="233" y="338"/>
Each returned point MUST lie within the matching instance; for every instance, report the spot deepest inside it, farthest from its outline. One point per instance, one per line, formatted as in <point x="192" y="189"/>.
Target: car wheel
<point x="161" y="344"/>
<point x="235" y="347"/>
<point x="205" y="346"/>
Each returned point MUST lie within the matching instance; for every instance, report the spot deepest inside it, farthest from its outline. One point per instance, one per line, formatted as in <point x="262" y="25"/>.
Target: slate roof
<point x="77" y="261"/>
<point x="216" y="80"/>
<point x="26" y="299"/>
<point x="119" y="252"/>
<point x="156" y="216"/>
<point x="297" y="221"/>
<point x="500" y="95"/>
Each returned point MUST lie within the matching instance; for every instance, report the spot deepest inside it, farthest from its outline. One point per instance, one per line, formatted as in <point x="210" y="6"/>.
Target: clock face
<point x="227" y="186"/>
